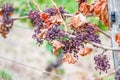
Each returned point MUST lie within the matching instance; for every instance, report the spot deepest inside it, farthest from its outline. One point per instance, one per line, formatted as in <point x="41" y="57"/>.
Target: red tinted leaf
<point x="117" y="39"/>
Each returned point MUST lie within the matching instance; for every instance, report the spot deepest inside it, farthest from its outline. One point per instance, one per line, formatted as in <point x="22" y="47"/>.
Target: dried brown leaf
<point x="69" y="58"/>
<point x="56" y="46"/>
<point x="77" y="21"/>
<point x="86" y="50"/>
<point x="117" y="39"/>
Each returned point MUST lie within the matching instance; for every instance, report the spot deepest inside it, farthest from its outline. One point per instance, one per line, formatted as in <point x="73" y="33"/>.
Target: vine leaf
<point x="53" y="19"/>
<point x="101" y="10"/>
<point x="85" y="8"/>
<point x="117" y="39"/>
<point x="86" y="50"/>
<point x="44" y="16"/>
<point x="56" y="46"/>
<point x="69" y="59"/>
<point x="98" y="8"/>
<point x="42" y="34"/>
<point x="77" y="21"/>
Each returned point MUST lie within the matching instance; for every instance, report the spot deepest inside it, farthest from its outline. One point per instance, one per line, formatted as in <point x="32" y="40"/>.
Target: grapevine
<point x="47" y="27"/>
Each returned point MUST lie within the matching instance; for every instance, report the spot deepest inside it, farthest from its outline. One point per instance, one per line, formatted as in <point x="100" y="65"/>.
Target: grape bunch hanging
<point x="6" y="22"/>
<point x="73" y="43"/>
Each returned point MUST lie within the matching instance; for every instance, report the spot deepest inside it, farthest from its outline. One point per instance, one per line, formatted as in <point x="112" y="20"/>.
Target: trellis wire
<point x="32" y="67"/>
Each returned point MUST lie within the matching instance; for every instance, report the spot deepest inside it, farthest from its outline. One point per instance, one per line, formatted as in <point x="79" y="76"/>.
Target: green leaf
<point x="5" y="75"/>
<point x="90" y="1"/>
<point x="95" y="20"/>
<point x="112" y="77"/>
<point x="62" y="71"/>
<point x="49" y="47"/>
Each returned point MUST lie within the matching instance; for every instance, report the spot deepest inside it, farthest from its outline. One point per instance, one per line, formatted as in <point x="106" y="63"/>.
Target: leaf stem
<point x="104" y="33"/>
<point x="18" y="18"/>
<point x="103" y="46"/>
<point x="36" y="5"/>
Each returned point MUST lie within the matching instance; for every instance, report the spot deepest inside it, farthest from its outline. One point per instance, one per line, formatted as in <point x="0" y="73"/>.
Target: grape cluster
<point x="35" y="18"/>
<point x="6" y="22"/>
<point x="37" y="22"/>
<point x="72" y="45"/>
<point x="51" y="34"/>
<point x="54" y="11"/>
<point x="117" y="77"/>
<point x="87" y="33"/>
<point x="102" y="62"/>
<point x="55" y="33"/>
<point x="91" y="35"/>
<point x="34" y="36"/>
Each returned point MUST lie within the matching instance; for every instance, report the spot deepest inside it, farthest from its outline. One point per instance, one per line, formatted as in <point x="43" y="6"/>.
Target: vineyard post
<point x="114" y="13"/>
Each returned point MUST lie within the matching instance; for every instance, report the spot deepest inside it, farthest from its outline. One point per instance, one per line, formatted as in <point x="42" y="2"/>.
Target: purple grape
<point x="7" y="21"/>
<point x="55" y="33"/>
<point x="35" y="18"/>
<point x="117" y="77"/>
<point x="102" y="62"/>
<point x="91" y="35"/>
<point x="54" y="11"/>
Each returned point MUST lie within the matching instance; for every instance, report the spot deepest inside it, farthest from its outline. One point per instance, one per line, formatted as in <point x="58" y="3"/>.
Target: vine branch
<point x="103" y="46"/>
<point x="98" y="45"/>
<point x="18" y="18"/>
<point x="104" y="33"/>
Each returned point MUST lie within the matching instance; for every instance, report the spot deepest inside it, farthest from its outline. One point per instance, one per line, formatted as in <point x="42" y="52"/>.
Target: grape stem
<point x="18" y="18"/>
<point x="24" y="17"/>
<point x="111" y="73"/>
<point x="28" y="4"/>
<point x="104" y="47"/>
<point x="65" y="25"/>
<point x="104" y="50"/>
<point x="68" y="15"/>
<point x="36" y="5"/>
<point x="104" y="33"/>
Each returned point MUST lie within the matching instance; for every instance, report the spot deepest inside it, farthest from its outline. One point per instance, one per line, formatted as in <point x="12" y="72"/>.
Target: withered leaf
<point x="53" y="20"/>
<point x="69" y="58"/>
<point x="44" y="16"/>
<point x="85" y="8"/>
<point x="101" y="10"/>
<point x="77" y="21"/>
<point x="86" y="50"/>
<point x="42" y="34"/>
<point x="56" y="46"/>
<point x="117" y="39"/>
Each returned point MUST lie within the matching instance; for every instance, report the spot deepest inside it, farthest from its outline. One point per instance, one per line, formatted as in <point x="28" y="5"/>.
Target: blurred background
<point x="32" y="60"/>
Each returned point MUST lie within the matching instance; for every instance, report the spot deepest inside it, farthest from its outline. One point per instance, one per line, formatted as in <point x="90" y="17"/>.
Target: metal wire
<point x="32" y="67"/>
